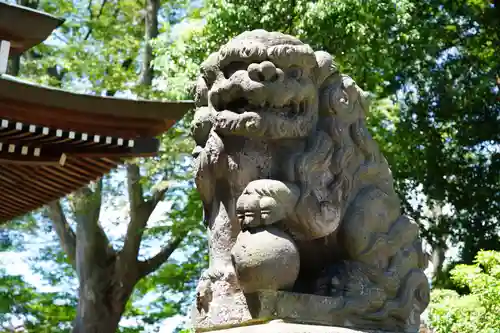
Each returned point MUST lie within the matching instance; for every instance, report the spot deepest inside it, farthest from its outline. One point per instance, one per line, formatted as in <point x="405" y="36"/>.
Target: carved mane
<point x="345" y="171"/>
<point x="347" y="152"/>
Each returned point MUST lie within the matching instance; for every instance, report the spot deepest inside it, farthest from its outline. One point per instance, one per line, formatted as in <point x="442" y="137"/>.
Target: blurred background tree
<point x="476" y="312"/>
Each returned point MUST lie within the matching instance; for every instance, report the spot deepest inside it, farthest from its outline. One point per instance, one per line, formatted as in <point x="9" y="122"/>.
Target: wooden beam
<point x="71" y="142"/>
<point x="26" y="155"/>
<point x="27" y="161"/>
<point x="55" y="108"/>
<point x="10" y="185"/>
<point x="11" y="153"/>
<point x="141" y="147"/>
<point x="51" y="135"/>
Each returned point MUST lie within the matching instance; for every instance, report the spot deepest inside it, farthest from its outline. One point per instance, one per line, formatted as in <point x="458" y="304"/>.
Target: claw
<point x="255" y="211"/>
<point x="249" y="220"/>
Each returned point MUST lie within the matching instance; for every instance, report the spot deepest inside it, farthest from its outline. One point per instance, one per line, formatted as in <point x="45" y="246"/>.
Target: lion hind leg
<point x="369" y="222"/>
<point x="412" y="299"/>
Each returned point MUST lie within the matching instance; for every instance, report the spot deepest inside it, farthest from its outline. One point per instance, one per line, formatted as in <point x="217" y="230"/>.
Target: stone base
<point x="279" y="326"/>
<point x="322" y="313"/>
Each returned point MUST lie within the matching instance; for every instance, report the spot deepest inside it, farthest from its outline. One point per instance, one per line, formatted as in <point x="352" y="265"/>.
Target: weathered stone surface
<point x="282" y="145"/>
<point x="313" y="309"/>
<point x="279" y="326"/>
<point x="266" y="259"/>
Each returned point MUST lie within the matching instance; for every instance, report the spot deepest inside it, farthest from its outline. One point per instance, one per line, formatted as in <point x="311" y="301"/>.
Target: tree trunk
<point x="97" y="313"/>
<point x="107" y="277"/>
<point x="151" y="22"/>
<point x="106" y="287"/>
<point x="438" y="257"/>
<point x="439" y="246"/>
<point x="102" y="300"/>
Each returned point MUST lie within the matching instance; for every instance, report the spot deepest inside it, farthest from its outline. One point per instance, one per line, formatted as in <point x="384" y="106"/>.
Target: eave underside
<point x="26" y="187"/>
<point x="77" y="138"/>
<point x="53" y="142"/>
<point x="40" y="164"/>
<point x="24" y="27"/>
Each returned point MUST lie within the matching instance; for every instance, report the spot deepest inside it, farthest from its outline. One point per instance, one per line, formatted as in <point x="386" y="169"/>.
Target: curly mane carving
<point x="286" y="168"/>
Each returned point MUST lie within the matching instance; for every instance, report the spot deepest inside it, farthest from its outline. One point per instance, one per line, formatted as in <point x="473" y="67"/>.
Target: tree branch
<point x="135" y="193"/>
<point x="139" y="213"/>
<point x="92" y="18"/>
<point x="66" y="235"/>
<point x="89" y="8"/>
<point x="152" y="264"/>
<point x="86" y="205"/>
<point x="158" y="194"/>
<point x="93" y="248"/>
<point x="151" y="22"/>
<point x="140" y="210"/>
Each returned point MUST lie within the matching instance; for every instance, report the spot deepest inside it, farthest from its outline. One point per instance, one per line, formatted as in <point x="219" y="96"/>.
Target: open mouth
<point x="290" y="110"/>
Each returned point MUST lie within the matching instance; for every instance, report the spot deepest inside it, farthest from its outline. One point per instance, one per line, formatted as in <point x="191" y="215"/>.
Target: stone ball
<point x="265" y="259"/>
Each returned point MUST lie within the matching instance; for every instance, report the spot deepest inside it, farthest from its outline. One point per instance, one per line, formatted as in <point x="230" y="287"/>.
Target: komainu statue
<point x="303" y="220"/>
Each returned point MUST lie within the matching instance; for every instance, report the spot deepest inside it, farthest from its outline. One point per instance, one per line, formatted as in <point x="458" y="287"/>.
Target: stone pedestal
<point x="279" y="326"/>
<point x="282" y="311"/>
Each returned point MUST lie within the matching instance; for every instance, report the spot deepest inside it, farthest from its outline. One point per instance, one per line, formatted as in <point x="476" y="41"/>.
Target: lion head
<point x="264" y="84"/>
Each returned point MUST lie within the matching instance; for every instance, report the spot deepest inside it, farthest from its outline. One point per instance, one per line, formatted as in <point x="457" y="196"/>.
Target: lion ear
<point x="366" y="100"/>
<point x="200" y="92"/>
<point x="326" y="66"/>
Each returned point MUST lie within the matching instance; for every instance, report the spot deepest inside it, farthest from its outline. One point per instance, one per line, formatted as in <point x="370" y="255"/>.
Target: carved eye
<point x="209" y="76"/>
<point x="233" y="67"/>
<point x="295" y="73"/>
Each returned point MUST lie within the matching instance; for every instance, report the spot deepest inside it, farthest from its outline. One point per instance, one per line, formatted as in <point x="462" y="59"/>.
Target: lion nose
<point x="264" y="72"/>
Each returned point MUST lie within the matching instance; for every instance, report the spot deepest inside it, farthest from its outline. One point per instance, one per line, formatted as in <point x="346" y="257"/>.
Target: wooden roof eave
<point x="54" y="141"/>
<point x="24" y="27"/>
<point x="27" y="186"/>
<point x="56" y="108"/>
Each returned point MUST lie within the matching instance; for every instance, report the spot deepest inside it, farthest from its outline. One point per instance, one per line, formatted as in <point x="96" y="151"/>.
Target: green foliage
<point x="350" y="30"/>
<point x="38" y="312"/>
<point x="98" y="47"/>
<point x="449" y="131"/>
<point x="476" y="312"/>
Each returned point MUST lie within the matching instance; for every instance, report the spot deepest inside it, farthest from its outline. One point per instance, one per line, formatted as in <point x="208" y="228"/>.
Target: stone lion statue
<point x="296" y="194"/>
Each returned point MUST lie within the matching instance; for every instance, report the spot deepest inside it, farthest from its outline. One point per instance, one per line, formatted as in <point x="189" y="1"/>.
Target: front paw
<point x="254" y="211"/>
<point x="264" y="202"/>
